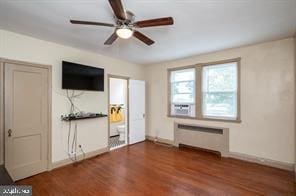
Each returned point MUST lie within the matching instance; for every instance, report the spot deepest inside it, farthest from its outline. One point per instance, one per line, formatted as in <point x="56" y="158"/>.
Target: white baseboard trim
<point x="262" y="161"/>
<point x="88" y="155"/>
<point x="160" y="140"/>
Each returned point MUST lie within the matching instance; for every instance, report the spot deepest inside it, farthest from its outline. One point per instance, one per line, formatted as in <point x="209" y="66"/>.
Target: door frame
<point x="127" y="105"/>
<point x="3" y="61"/>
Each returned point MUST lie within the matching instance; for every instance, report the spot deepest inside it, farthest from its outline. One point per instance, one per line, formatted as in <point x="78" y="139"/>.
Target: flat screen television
<point x="81" y="77"/>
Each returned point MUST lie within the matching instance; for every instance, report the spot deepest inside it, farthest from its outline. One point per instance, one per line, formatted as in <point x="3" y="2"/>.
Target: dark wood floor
<point x="150" y="169"/>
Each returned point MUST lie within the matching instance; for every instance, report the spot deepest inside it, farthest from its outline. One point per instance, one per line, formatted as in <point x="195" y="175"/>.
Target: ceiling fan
<point x="125" y="25"/>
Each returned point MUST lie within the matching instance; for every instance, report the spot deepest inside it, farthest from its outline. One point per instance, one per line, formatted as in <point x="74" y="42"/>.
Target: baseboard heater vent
<point x="199" y="128"/>
<point x="205" y="137"/>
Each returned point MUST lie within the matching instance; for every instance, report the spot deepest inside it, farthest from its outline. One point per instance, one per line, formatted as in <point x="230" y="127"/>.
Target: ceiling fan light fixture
<point x="125" y="25"/>
<point x="124" y="32"/>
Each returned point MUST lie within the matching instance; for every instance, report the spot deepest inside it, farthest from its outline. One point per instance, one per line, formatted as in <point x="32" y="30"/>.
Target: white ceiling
<point x="201" y="26"/>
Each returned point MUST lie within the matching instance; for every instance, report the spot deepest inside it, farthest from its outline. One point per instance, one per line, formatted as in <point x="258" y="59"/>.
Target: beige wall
<point x="295" y="100"/>
<point x="267" y="100"/>
<point x="1" y="116"/>
<point x="92" y="134"/>
<point x="267" y="95"/>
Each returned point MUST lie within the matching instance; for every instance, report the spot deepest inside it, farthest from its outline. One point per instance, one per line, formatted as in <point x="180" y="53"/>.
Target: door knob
<point x="9" y="132"/>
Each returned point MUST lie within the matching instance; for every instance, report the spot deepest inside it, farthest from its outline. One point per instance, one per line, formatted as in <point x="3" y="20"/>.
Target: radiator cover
<point x="206" y="137"/>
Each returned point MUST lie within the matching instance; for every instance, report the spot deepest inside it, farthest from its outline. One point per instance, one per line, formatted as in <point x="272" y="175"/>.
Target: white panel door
<point x="136" y="111"/>
<point x="26" y="120"/>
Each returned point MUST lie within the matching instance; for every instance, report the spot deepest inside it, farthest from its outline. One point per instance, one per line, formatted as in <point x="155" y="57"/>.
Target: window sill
<point x="206" y="119"/>
<point x="182" y="117"/>
<point x="220" y="120"/>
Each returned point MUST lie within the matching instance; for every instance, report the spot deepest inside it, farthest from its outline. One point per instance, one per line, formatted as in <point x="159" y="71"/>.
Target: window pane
<point x="183" y="92"/>
<point x="183" y="87"/>
<point x="222" y="104"/>
<point x="220" y="77"/>
<point x="220" y="90"/>
<point x="183" y="98"/>
<point x="183" y="75"/>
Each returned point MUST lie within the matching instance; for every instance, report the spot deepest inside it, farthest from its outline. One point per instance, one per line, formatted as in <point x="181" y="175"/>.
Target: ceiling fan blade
<point x="91" y="23"/>
<point x="143" y="38"/>
<point x="111" y="39"/>
<point x="155" y="22"/>
<point x="118" y="9"/>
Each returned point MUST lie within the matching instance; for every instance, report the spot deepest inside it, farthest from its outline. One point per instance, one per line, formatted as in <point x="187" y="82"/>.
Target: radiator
<point x="206" y="137"/>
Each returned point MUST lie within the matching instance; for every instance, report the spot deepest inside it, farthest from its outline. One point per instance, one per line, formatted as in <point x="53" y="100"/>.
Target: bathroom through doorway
<point x="118" y="111"/>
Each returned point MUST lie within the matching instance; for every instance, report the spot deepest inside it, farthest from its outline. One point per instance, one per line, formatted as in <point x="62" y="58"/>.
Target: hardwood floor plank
<point x="150" y="169"/>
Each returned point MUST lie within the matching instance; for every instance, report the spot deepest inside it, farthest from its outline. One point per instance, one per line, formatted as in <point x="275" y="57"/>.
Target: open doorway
<point x="118" y="112"/>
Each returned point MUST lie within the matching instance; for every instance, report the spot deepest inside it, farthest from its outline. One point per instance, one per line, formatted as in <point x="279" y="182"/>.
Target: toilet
<point x="121" y="131"/>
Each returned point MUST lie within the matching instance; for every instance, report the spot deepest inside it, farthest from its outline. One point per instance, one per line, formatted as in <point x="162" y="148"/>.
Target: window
<point x="206" y="91"/>
<point x="182" y="88"/>
<point x="219" y="91"/>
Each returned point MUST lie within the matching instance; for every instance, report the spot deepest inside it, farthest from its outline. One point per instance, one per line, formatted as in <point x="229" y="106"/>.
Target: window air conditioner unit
<point x="182" y="109"/>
